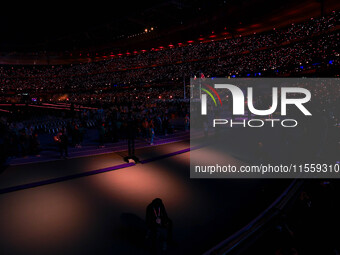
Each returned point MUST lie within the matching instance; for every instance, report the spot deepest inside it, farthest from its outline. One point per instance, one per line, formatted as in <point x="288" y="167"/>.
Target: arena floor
<point x="69" y="207"/>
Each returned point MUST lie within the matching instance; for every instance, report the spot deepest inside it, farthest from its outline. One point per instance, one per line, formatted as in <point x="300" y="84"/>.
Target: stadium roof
<point x="62" y="30"/>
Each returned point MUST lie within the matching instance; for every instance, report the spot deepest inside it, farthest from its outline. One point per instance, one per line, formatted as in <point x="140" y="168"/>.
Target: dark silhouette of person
<point x="72" y="110"/>
<point x="158" y="223"/>
<point x="4" y="145"/>
<point x="62" y="140"/>
<point x="131" y="135"/>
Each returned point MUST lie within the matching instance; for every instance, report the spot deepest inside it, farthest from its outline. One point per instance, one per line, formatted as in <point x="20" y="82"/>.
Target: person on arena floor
<point x="131" y="136"/>
<point x="159" y="225"/>
<point x="152" y="131"/>
<point x="62" y="140"/>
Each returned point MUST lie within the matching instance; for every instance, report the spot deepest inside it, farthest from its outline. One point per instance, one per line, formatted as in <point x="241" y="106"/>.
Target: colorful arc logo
<point x="209" y="93"/>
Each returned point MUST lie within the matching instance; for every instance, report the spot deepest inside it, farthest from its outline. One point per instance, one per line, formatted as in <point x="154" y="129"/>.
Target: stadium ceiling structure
<point x="89" y="29"/>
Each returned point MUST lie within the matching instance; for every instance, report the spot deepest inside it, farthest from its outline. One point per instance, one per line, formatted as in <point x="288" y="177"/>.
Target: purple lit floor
<point x="104" y="213"/>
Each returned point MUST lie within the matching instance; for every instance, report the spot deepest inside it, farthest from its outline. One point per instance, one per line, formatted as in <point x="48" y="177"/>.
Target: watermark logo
<point x="281" y="127"/>
<point x="238" y="102"/>
<point x="204" y="96"/>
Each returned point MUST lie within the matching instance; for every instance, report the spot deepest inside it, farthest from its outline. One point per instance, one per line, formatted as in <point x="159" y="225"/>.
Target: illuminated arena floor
<point x="104" y="213"/>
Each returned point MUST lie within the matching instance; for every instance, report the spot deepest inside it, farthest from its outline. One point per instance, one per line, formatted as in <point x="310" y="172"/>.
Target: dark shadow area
<point x="132" y="230"/>
<point x="308" y="225"/>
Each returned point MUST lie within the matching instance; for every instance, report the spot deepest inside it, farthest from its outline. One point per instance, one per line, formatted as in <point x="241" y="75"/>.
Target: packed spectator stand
<point x="153" y="80"/>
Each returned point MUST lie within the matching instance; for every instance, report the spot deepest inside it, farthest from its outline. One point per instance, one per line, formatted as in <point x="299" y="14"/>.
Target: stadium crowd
<point x="296" y="49"/>
<point x="150" y="84"/>
<point x="20" y="131"/>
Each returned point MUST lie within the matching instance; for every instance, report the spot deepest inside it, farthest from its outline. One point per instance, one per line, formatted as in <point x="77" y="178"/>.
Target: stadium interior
<point x="95" y="113"/>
